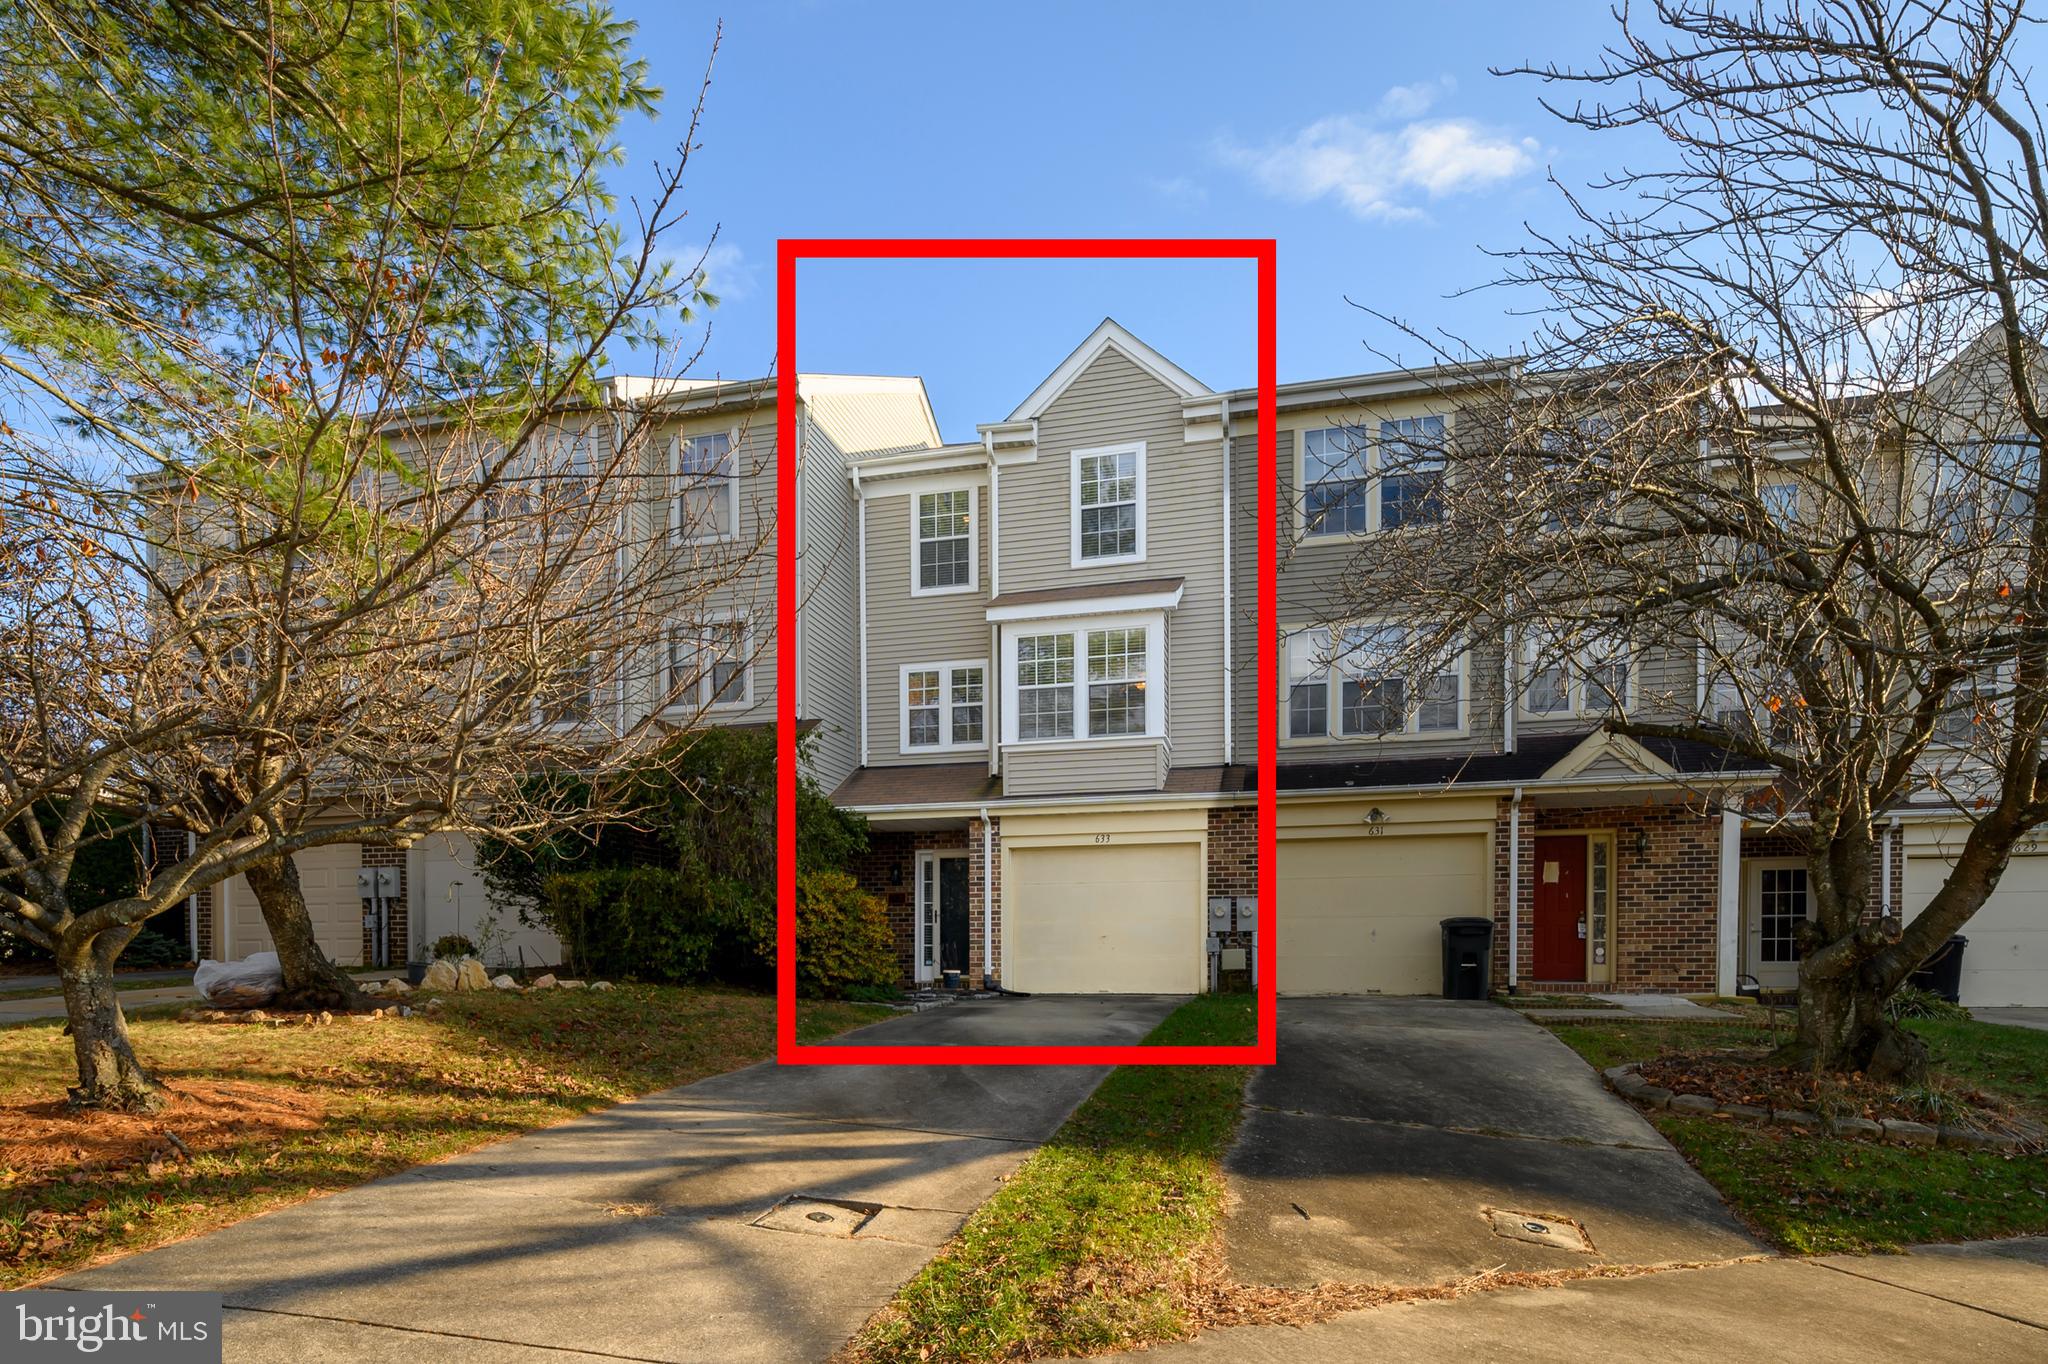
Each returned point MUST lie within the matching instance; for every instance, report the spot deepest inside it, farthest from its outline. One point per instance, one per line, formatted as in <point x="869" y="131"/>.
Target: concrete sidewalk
<point x="1983" y="1301"/>
<point x="52" y="1006"/>
<point x="1376" y="1148"/>
<point x="636" y="1232"/>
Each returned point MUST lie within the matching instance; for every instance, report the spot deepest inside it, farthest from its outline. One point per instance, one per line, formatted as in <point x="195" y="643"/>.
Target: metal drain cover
<point x="851" y="1221"/>
<point x="1560" y="1233"/>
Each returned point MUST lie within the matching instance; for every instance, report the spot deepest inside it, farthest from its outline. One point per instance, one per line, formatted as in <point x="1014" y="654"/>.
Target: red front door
<point x="1561" y="908"/>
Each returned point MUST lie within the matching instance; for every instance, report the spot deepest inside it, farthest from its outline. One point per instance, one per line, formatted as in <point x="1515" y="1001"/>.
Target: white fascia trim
<point x="918" y="461"/>
<point x="1131" y="447"/>
<point x="1010" y="442"/>
<point x="1109" y="333"/>
<point x="1389" y="383"/>
<point x="1056" y="804"/>
<point x="973" y="583"/>
<point x="1072" y="609"/>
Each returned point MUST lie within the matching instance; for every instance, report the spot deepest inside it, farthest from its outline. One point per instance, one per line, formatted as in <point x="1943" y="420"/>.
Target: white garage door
<point x="2007" y="959"/>
<point x="1123" y="919"/>
<point x="449" y="896"/>
<point x="1361" y="915"/>
<point x="327" y="875"/>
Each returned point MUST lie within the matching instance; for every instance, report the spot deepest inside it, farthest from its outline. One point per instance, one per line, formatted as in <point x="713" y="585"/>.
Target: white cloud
<point x="727" y="271"/>
<point x="1378" y="166"/>
<point x="1178" y="189"/>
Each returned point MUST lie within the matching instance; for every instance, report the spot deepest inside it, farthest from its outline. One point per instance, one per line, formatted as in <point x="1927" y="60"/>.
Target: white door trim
<point x="1782" y="975"/>
<point x="926" y="906"/>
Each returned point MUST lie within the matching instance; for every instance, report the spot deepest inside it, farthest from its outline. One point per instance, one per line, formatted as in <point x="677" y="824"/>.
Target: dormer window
<point x="942" y="542"/>
<point x="1109" y="505"/>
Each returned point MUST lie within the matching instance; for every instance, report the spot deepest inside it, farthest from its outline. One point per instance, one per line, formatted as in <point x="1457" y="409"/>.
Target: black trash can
<point x="1468" y="958"/>
<point x="1942" y="973"/>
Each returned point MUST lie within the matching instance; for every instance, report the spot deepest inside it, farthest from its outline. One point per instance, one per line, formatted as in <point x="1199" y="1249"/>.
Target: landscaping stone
<point x="503" y="982"/>
<point x="1691" y="1103"/>
<point x="1972" y="1139"/>
<point x="395" y="986"/>
<point x="601" y="985"/>
<point x="545" y="982"/>
<point x="257" y="1016"/>
<point x="1855" y="1127"/>
<point x="1912" y="1133"/>
<point x="469" y="975"/>
<point x="572" y="985"/>
<point x="1653" y="1096"/>
<point x="440" y="976"/>
<point x="325" y="1018"/>
<point x="1747" y="1111"/>
<point x="1794" y="1117"/>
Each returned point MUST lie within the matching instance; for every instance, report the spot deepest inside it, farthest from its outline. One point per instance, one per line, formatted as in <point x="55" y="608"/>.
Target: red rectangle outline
<point x="788" y="252"/>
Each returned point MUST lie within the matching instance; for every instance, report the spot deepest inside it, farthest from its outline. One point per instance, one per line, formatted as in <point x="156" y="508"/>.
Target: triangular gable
<point x="1111" y="334"/>
<point x="1604" y="748"/>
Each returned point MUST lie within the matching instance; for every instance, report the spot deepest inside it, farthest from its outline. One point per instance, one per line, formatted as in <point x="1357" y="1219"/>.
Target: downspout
<point x="992" y="689"/>
<point x="192" y="900"/>
<point x="803" y="441"/>
<point x="860" y="514"/>
<point x="988" y="901"/>
<point x="1514" y="890"/>
<point x="1886" y="878"/>
<point x="1229" y="715"/>
<point x="1507" y="686"/>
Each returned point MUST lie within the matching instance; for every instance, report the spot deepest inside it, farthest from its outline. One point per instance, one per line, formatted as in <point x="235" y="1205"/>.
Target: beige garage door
<point x="1360" y="915"/>
<point x="1122" y="919"/>
<point x="2007" y="959"/>
<point x="328" y="877"/>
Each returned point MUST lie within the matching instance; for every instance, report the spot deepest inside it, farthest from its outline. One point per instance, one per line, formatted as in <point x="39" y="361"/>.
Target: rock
<point x="601" y="985"/>
<point x="503" y="982"/>
<point x="257" y="1016"/>
<point x="1854" y="1127"/>
<point x="1691" y="1103"/>
<point x="572" y="984"/>
<point x="325" y="1018"/>
<point x="396" y="988"/>
<point x="1746" y="1111"/>
<point x="546" y="982"/>
<point x="1653" y="1096"/>
<point x="440" y="976"/>
<point x="370" y="987"/>
<point x="1971" y="1139"/>
<point x="1912" y="1133"/>
<point x="1794" y="1117"/>
<point x="405" y="1011"/>
<point x="469" y="975"/>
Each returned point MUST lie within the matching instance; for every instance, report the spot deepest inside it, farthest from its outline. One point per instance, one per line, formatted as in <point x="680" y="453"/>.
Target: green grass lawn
<point x="1814" y="1194"/>
<point x="274" y="1115"/>
<point x="1083" y="1248"/>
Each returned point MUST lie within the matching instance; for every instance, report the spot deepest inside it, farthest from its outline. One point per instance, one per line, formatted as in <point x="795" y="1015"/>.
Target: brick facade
<point x="398" y="921"/>
<point x="888" y="869"/>
<point x="984" y="959"/>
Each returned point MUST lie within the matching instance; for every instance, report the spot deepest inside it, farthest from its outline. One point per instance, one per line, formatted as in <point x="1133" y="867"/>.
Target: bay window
<point x="1085" y="681"/>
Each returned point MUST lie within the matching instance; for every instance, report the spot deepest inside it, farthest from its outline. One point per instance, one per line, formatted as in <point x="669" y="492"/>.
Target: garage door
<point x="2007" y="959"/>
<point x="1124" y="919"/>
<point x="327" y="875"/>
<point x="1360" y="915"/>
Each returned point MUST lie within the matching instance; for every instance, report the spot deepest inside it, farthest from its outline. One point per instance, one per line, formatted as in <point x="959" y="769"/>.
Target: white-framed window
<point x="1109" y="505"/>
<point x="1099" y="679"/>
<point x="576" y="697"/>
<point x="1597" y="677"/>
<point x="1782" y="503"/>
<point x="704" y="502"/>
<point x="942" y="557"/>
<point x="709" y="664"/>
<point x="1975" y="707"/>
<point x="1355" y="484"/>
<point x="945" y="706"/>
<point x="1347" y="681"/>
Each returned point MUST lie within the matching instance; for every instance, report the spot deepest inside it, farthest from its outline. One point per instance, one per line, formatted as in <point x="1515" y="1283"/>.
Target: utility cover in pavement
<point x="1560" y="1232"/>
<point x="861" y="1221"/>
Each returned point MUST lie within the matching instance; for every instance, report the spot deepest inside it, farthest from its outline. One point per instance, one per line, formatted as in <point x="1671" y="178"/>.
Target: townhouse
<point x="1030" y="659"/>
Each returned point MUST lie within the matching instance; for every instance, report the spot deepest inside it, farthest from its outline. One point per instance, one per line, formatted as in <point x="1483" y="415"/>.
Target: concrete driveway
<point x="636" y="1232"/>
<point x="1373" y="1150"/>
<point x="2014" y="1016"/>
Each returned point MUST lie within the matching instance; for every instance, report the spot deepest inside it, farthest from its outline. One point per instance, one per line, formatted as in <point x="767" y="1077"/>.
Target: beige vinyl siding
<point x="904" y="630"/>
<point x="1083" y="766"/>
<point x="1112" y="402"/>
<point x="827" y="608"/>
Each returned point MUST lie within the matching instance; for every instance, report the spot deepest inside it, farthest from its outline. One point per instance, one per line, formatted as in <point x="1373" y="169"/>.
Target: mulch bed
<point x="39" y="1140"/>
<point x="1748" y="1078"/>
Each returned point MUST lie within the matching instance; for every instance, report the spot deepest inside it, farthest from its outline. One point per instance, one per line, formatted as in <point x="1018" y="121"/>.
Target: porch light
<point x="895" y="873"/>
<point x="1642" y="842"/>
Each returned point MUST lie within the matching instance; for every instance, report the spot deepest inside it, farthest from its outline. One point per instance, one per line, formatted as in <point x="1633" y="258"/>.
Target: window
<point x="705" y="505"/>
<point x="1411" y="458"/>
<point x="1781" y="908"/>
<point x="1781" y="504"/>
<point x="1592" y="678"/>
<point x="710" y="663"/>
<point x="943" y="705"/>
<point x="944" y="541"/>
<point x="1372" y="697"/>
<point x="1116" y="682"/>
<point x="1109" y="505"/>
<point x="1984" y="490"/>
<point x="1045" y="687"/>
<point x="1335" y="481"/>
<point x="1972" y="710"/>
<point x="574" y="698"/>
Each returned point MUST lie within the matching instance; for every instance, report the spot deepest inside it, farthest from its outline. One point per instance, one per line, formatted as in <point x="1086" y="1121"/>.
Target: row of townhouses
<point x="1030" y="660"/>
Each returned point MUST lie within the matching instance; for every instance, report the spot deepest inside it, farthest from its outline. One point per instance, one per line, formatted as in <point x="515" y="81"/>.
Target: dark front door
<point x="953" y="914"/>
<point x="1560" y="926"/>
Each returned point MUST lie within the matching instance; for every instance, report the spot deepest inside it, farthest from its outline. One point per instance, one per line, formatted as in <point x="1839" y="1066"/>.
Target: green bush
<point x="843" y="943"/>
<point x="1910" y="1001"/>
<point x="150" y="948"/>
<point x="641" y="923"/>
<point x="450" y="947"/>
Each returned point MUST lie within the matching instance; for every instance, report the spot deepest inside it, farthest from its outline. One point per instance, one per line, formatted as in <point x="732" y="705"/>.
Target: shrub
<point x="1910" y="1001"/>
<point x="150" y="948"/>
<point x="641" y="923"/>
<point x="843" y="943"/>
<point x="450" y="946"/>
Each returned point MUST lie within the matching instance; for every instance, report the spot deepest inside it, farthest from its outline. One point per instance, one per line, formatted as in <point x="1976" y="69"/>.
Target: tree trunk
<point x="1843" y="1029"/>
<point x="109" y="1075"/>
<point x="310" y="980"/>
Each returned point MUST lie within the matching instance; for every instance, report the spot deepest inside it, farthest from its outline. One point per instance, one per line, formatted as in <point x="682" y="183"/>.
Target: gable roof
<point x="1110" y="335"/>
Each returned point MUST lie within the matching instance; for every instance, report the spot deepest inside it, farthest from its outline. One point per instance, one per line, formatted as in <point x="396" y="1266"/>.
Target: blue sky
<point x="1371" y="144"/>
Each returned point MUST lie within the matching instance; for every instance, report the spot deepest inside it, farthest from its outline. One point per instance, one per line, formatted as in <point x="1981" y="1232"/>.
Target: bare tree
<point x="1783" y="420"/>
<point x="320" y="527"/>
